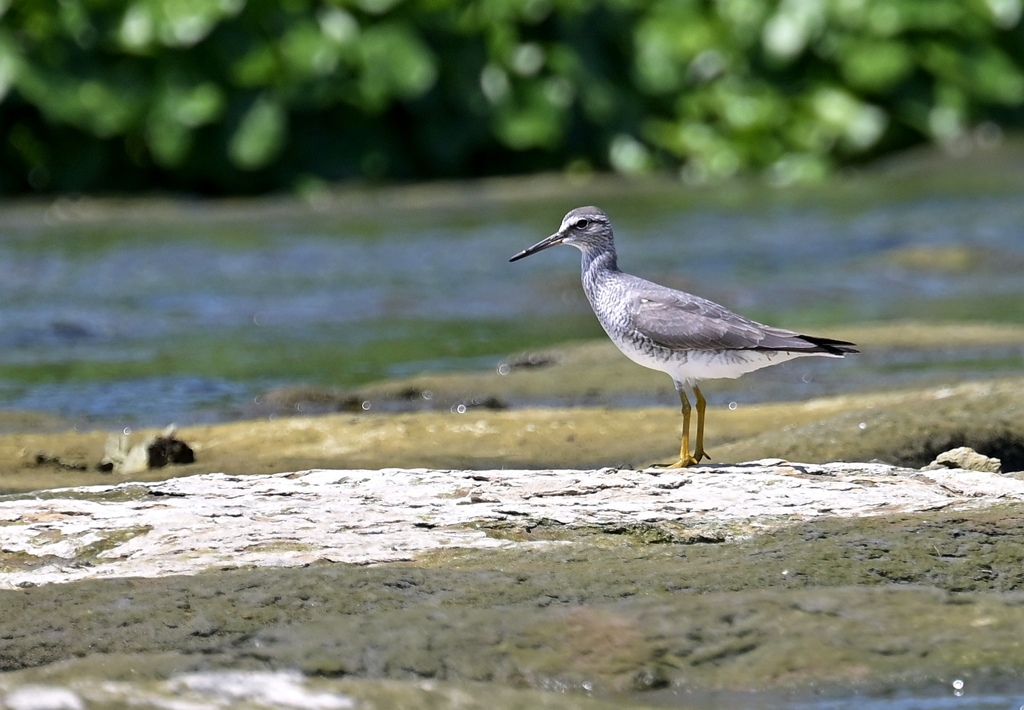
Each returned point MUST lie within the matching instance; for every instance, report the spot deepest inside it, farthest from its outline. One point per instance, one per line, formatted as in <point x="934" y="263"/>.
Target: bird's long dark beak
<point x="543" y="244"/>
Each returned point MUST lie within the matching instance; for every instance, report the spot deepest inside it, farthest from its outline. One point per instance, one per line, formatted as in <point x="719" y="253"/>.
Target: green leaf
<point x="984" y="72"/>
<point x="396" y="64"/>
<point x="876" y="66"/>
<point x="177" y="111"/>
<point x="168" y="141"/>
<point x="258" y="67"/>
<point x="531" y="127"/>
<point x="8" y="64"/>
<point x="260" y="135"/>
<point x="307" y="52"/>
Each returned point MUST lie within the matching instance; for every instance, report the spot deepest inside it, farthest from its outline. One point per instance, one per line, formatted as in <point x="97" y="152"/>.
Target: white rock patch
<point x="191" y="524"/>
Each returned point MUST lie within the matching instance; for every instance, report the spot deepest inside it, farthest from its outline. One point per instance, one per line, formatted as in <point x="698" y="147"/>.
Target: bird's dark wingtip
<point x="831" y="346"/>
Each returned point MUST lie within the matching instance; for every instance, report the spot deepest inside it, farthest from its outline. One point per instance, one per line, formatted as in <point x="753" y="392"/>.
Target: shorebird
<point x="685" y="336"/>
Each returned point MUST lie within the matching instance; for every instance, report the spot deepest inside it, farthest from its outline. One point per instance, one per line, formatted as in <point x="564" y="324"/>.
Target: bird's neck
<point x="596" y="261"/>
<point x="597" y="265"/>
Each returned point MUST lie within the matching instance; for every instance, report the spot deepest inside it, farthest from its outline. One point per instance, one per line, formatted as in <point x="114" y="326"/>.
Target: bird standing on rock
<point x="685" y="336"/>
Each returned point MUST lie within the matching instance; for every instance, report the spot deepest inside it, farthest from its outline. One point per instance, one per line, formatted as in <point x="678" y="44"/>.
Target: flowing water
<point x="145" y="312"/>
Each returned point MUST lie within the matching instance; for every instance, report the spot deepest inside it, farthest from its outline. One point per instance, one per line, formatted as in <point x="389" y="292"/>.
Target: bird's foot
<point x="686" y="461"/>
<point x="681" y="463"/>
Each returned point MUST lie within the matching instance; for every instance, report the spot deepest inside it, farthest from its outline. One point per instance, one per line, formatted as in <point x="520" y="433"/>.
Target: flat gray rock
<point x="187" y="525"/>
<point x="282" y="689"/>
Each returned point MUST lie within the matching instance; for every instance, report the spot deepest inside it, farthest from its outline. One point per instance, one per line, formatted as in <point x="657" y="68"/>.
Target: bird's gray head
<point x="586" y="228"/>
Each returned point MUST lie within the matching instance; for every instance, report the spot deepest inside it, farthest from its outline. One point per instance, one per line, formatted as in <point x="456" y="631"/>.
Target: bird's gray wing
<point x="675" y="319"/>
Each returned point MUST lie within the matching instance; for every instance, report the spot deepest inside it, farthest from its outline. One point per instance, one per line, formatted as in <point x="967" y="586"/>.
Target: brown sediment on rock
<point x="907" y="427"/>
<point x="596" y="373"/>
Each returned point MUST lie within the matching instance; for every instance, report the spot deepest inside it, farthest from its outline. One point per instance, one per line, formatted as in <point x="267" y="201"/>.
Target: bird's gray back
<point x="639" y="310"/>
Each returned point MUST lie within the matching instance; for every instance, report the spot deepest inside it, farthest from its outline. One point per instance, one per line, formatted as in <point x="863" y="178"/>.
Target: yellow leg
<point x="685" y="459"/>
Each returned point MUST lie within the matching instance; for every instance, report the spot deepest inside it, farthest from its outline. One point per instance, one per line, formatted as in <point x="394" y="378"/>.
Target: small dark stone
<point x="168" y="450"/>
<point x="350" y="403"/>
<point x="42" y="459"/>
<point x="486" y="402"/>
<point x="409" y="394"/>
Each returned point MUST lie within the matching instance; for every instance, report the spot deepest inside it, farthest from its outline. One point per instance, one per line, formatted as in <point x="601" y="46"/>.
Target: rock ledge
<point x="187" y="525"/>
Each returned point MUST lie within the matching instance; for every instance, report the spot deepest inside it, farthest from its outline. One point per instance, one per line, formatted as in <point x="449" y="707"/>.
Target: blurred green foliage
<point x="243" y="96"/>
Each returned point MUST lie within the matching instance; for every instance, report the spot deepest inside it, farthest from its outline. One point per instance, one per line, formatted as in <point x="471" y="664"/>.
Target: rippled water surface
<point x="148" y="312"/>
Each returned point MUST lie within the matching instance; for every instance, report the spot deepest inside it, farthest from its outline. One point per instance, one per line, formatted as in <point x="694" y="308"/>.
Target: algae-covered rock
<point x="866" y="603"/>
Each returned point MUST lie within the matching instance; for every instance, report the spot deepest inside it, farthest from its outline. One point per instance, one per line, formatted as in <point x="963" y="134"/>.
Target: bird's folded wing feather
<point x="679" y="320"/>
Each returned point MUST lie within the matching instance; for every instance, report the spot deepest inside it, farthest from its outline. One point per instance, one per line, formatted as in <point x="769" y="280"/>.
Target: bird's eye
<point x="581" y="224"/>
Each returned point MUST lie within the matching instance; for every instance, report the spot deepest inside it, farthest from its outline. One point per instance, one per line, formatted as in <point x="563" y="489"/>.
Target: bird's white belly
<point x="693" y="365"/>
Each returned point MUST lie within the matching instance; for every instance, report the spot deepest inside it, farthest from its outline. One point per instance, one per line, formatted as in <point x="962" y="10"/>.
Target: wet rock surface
<point x="771" y="575"/>
<point x="444" y="557"/>
<point x="883" y="602"/>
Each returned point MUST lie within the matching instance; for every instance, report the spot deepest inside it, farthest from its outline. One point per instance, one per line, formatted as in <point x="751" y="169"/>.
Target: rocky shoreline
<point x="490" y="557"/>
<point x="613" y="583"/>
